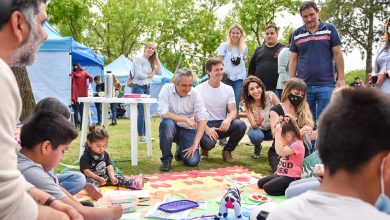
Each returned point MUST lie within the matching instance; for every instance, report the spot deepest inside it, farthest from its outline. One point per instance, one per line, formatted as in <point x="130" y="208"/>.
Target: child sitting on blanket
<point x="45" y="137"/>
<point x="96" y="165"/>
<point x="289" y="146"/>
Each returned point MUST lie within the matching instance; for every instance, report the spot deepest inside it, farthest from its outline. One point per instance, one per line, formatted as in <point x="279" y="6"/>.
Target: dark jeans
<point x="99" y="112"/>
<point x="169" y="132"/>
<point x="78" y="108"/>
<point x="138" y="89"/>
<point x="273" y="158"/>
<point x="235" y="133"/>
<point x="114" y="108"/>
<point x="275" y="185"/>
<point x="278" y="93"/>
<point x="237" y="87"/>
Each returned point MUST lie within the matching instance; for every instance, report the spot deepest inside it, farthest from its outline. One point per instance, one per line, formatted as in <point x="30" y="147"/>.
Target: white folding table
<point x="133" y="119"/>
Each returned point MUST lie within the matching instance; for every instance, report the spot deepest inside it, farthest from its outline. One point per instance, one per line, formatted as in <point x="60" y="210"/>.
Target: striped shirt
<point x="315" y="56"/>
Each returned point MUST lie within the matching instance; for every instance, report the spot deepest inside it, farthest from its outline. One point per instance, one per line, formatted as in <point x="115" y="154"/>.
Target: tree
<point x="359" y="22"/>
<point x="70" y="16"/>
<point x="255" y="15"/>
<point x="188" y="28"/>
<point x="25" y="90"/>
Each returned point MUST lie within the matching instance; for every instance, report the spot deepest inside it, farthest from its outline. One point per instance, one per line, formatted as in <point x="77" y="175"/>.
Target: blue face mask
<point x="383" y="201"/>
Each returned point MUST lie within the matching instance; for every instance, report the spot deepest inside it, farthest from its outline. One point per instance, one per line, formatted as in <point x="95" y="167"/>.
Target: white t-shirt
<point x="315" y="205"/>
<point x="216" y="99"/>
<point x="234" y="72"/>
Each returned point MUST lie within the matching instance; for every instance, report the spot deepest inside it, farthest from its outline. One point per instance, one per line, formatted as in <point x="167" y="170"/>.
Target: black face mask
<point x="235" y="60"/>
<point x="295" y="99"/>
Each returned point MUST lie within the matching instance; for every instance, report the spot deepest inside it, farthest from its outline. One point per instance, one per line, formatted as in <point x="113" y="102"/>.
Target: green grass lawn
<point x="119" y="149"/>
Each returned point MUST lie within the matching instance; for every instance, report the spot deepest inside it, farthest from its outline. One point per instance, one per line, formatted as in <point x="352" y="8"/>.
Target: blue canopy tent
<point x="157" y="84"/>
<point x="120" y="67"/>
<point x="50" y="74"/>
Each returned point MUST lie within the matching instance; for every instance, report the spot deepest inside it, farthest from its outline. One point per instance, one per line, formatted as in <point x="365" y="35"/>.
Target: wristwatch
<point x="49" y="201"/>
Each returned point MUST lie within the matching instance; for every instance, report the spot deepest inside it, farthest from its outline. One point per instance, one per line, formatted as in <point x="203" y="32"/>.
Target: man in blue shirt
<point x="315" y="53"/>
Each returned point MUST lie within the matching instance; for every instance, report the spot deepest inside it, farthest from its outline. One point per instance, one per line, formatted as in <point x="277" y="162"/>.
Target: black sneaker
<point x="87" y="203"/>
<point x="165" y="166"/>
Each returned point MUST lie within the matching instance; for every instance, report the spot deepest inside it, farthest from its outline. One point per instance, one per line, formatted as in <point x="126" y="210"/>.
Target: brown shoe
<point x="227" y="156"/>
<point x="204" y="154"/>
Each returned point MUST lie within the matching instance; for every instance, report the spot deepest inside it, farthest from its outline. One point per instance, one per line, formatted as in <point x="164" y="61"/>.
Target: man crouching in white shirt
<point x="184" y="118"/>
<point x="218" y="96"/>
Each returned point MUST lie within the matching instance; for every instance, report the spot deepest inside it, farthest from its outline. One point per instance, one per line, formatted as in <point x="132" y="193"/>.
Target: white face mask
<point x="383" y="201"/>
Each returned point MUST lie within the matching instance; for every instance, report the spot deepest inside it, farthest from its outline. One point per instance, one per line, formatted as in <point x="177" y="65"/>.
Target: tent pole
<point x="70" y="84"/>
<point x="181" y="57"/>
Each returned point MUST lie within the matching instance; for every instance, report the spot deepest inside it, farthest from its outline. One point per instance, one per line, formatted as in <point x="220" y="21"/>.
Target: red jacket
<point x="79" y="84"/>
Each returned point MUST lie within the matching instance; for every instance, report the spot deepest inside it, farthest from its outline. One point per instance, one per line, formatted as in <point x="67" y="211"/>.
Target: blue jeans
<point x="138" y="89"/>
<point x="235" y="133"/>
<point x="78" y="108"/>
<point x="237" y="87"/>
<point x="72" y="181"/>
<point x="114" y="108"/>
<point x="99" y="111"/>
<point x="278" y="93"/>
<point x="256" y="136"/>
<point x="169" y="132"/>
<point x="318" y="98"/>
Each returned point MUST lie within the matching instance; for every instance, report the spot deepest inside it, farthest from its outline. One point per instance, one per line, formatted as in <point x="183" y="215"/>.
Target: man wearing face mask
<point x="356" y="159"/>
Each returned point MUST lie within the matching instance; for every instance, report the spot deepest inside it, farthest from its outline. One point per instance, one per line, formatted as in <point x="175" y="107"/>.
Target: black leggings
<point x="275" y="185"/>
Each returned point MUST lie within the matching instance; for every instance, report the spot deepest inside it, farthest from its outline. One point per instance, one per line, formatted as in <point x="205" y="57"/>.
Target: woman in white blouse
<point x="145" y="67"/>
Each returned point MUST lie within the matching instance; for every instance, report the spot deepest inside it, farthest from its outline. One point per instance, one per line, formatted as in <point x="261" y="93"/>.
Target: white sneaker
<point x="142" y="140"/>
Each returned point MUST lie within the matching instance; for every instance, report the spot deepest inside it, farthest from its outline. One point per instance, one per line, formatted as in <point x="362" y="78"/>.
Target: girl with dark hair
<point x="290" y="148"/>
<point x="258" y="103"/>
<point x="96" y="165"/>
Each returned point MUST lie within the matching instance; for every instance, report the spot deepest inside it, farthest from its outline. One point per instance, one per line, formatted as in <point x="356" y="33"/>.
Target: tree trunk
<point x="369" y="45"/>
<point x="25" y="92"/>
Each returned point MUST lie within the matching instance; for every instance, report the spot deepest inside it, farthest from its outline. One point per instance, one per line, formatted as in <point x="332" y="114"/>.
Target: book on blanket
<point x="121" y="193"/>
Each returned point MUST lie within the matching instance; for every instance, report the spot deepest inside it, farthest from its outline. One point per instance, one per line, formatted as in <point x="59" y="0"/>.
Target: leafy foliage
<point x="360" y="22"/>
<point x="70" y="16"/>
<point x="255" y="15"/>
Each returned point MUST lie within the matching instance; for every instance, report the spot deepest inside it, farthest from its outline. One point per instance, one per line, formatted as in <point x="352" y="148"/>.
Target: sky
<point x="352" y="61"/>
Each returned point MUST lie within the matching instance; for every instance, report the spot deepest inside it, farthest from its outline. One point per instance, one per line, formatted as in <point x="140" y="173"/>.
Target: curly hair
<point x="247" y="99"/>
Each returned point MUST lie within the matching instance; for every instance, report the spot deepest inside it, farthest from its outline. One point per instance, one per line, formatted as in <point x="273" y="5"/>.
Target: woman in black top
<point x="293" y="103"/>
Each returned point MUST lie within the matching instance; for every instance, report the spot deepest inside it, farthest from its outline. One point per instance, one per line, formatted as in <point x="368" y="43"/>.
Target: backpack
<point x="130" y="78"/>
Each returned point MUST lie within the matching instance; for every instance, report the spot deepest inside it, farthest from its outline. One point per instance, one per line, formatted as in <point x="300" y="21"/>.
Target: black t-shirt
<point x="99" y="88"/>
<point x="95" y="163"/>
<point x="264" y="65"/>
